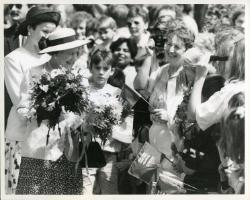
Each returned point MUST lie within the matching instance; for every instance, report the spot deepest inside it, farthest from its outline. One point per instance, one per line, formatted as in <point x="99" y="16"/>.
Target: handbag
<point x="94" y="155"/>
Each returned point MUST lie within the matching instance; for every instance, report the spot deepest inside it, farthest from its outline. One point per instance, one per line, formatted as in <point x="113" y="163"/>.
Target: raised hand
<point x="160" y="114"/>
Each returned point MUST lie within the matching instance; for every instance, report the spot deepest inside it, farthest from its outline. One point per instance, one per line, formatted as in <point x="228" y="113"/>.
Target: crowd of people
<point x="190" y="97"/>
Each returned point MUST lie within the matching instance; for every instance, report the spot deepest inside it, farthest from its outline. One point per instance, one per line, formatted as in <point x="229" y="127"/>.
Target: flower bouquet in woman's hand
<point x="60" y="89"/>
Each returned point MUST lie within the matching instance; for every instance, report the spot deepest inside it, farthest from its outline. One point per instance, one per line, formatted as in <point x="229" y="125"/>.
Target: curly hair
<point x="79" y="17"/>
<point x="177" y="27"/>
<point x="130" y="43"/>
<point x="138" y="11"/>
<point x="205" y="41"/>
<point x="169" y="7"/>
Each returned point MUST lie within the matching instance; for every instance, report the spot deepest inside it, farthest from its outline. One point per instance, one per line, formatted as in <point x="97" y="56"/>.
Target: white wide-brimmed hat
<point x="62" y="39"/>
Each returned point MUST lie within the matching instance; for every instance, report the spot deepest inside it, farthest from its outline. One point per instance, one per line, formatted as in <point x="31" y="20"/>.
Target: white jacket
<point x="16" y="65"/>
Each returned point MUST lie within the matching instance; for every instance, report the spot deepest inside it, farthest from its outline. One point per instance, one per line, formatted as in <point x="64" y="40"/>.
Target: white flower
<point x="44" y="105"/>
<point x="32" y="112"/>
<point x="56" y="72"/>
<point x="44" y="71"/>
<point x="44" y="88"/>
<point x="75" y="71"/>
<point x="85" y="82"/>
<point x="51" y="106"/>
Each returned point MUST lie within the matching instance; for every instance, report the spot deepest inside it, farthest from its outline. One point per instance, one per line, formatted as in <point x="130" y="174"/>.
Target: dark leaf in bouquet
<point x="70" y="101"/>
<point x="44" y="79"/>
<point x="52" y="116"/>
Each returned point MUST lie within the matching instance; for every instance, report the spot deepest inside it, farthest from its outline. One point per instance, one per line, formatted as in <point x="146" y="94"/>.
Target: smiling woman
<point x="167" y="92"/>
<point x="124" y="50"/>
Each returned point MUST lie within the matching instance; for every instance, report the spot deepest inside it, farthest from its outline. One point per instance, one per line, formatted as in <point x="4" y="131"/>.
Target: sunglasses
<point x="214" y="58"/>
<point x="19" y="6"/>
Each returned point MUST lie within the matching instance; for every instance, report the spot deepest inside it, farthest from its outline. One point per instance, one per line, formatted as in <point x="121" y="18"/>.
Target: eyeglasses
<point x="19" y="6"/>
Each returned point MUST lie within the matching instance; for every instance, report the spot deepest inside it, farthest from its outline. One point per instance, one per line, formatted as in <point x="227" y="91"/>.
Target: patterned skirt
<point x="12" y="165"/>
<point x="39" y="176"/>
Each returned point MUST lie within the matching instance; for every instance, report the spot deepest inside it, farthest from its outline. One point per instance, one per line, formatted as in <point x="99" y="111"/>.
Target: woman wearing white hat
<point x="47" y="169"/>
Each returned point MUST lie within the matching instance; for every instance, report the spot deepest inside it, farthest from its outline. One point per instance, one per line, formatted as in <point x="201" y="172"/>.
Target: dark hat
<point x="38" y="15"/>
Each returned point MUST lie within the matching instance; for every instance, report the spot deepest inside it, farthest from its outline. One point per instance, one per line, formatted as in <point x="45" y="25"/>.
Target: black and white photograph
<point x="123" y="99"/>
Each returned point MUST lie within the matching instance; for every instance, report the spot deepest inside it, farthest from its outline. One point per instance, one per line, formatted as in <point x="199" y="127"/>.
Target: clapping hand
<point x="160" y="114"/>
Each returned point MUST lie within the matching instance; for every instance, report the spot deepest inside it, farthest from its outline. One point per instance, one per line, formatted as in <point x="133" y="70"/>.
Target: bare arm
<point x="195" y="98"/>
<point x="142" y="76"/>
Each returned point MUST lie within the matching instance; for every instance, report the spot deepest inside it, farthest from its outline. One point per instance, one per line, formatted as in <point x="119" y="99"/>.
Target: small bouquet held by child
<point x="105" y="112"/>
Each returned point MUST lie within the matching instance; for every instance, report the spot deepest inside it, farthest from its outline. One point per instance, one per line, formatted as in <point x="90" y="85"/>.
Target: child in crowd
<point x="107" y="32"/>
<point x="82" y="23"/>
<point x="106" y="180"/>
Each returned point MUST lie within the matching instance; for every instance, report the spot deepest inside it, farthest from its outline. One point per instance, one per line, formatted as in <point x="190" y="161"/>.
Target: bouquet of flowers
<point x="54" y="92"/>
<point x="182" y="124"/>
<point x="104" y="112"/>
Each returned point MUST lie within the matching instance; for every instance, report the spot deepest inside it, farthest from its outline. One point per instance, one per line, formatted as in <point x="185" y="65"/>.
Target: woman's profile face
<point x="122" y="55"/>
<point x="175" y="49"/>
<point x="41" y="30"/>
<point x="137" y="26"/>
<point x="66" y="58"/>
<point x="80" y="30"/>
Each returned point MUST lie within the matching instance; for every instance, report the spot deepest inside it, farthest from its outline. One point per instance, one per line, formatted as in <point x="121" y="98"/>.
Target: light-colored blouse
<point x="163" y="92"/>
<point x="165" y="96"/>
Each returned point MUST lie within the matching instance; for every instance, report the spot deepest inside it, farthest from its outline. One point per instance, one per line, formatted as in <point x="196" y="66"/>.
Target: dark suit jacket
<point x="11" y="42"/>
